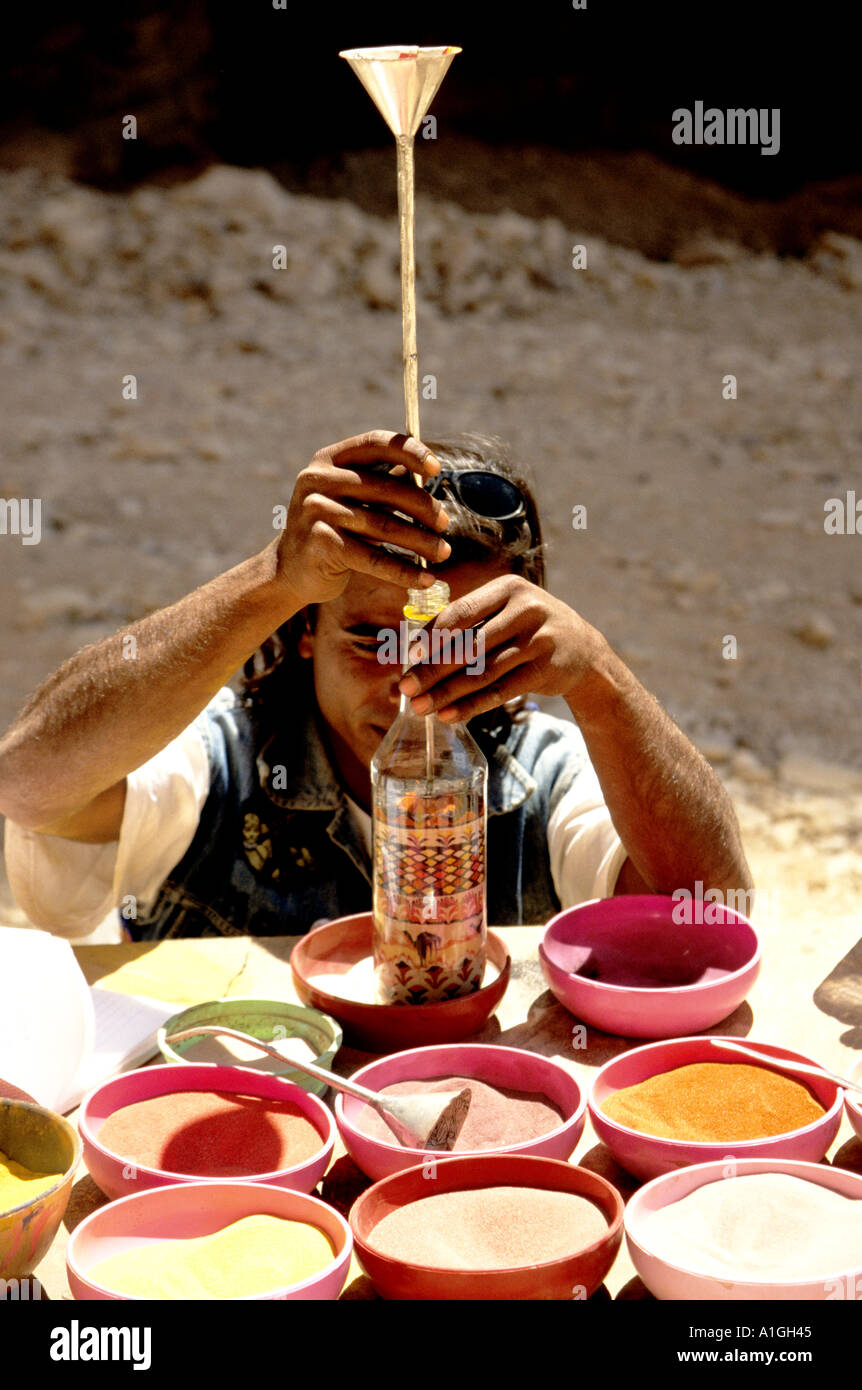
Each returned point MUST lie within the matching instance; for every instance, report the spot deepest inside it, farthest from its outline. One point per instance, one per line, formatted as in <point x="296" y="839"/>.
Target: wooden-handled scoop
<point x="429" y="1121"/>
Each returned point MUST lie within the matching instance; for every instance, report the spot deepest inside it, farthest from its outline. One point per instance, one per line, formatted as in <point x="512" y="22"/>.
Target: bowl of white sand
<point x="749" y="1229"/>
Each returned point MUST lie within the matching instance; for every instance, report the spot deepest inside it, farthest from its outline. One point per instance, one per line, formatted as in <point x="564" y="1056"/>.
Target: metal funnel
<point x="402" y="82"/>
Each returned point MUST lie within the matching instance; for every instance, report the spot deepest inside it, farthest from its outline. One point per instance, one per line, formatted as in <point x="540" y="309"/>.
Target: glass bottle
<point x="428" y="785"/>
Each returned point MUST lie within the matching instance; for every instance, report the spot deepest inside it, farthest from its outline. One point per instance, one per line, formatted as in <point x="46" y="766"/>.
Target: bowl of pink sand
<point x="521" y="1103"/>
<point x="853" y="1099"/>
<point x="199" y="1122"/>
<point x="211" y="1240"/>
<point x="650" y="967"/>
<point x="497" y="1226"/>
<point x="752" y="1229"/>
<point x="665" y="1088"/>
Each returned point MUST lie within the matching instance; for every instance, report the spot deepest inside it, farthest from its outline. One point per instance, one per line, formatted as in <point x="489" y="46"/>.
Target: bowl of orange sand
<point x="670" y="1104"/>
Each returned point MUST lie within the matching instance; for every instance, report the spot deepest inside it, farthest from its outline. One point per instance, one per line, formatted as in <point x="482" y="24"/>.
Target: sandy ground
<point x="705" y="515"/>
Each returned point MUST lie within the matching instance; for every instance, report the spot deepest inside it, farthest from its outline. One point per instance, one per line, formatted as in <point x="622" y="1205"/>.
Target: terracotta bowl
<point x="502" y="1066"/>
<point x="683" y="1281"/>
<point x="647" y="1156"/>
<point x="627" y="965"/>
<point x="575" y="1276"/>
<point x="853" y="1099"/>
<point x="195" y="1209"/>
<point x="41" y="1140"/>
<point x="117" y="1176"/>
<point x="338" y="946"/>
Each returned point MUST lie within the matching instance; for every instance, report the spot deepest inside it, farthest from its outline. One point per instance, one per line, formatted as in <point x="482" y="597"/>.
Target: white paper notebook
<point x="59" y="1037"/>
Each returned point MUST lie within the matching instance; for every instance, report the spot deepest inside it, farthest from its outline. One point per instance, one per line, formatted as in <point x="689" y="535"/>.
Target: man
<point x="132" y="778"/>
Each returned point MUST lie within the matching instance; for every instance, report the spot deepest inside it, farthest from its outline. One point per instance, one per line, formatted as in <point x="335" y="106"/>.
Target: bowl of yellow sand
<point x="226" y="1240"/>
<point x="39" y="1152"/>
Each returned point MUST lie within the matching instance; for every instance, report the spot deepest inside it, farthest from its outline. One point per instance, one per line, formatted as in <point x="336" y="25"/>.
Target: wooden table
<point x="808" y="997"/>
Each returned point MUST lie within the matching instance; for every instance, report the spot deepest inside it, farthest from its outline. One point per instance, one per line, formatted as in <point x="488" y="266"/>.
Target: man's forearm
<point x="672" y="813"/>
<point x="114" y="705"/>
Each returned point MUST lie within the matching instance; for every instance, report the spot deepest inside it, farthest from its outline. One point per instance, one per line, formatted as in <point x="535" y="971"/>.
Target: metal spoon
<point x="781" y="1065"/>
<point x="431" y="1121"/>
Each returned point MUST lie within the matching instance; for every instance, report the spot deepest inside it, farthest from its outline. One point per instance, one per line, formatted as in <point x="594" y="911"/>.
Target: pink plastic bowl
<point x="117" y="1176"/>
<point x="853" y="1099"/>
<point x="708" y="966"/>
<point x="647" y="1156"/>
<point x="192" y="1209"/>
<point x="669" y="1281"/>
<point x="501" y="1066"/>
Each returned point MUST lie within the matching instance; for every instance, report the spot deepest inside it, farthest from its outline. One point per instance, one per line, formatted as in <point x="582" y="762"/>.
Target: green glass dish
<point x="270" y="1020"/>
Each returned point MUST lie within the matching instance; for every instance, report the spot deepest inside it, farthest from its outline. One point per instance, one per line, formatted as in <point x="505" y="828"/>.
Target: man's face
<point x="357" y="695"/>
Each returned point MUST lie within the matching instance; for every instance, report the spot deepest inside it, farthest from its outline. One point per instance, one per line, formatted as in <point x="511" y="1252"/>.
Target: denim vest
<point x="277" y="849"/>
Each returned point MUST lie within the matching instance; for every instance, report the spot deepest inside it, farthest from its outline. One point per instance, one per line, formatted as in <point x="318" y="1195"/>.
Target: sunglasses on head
<point x="485" y="493"/>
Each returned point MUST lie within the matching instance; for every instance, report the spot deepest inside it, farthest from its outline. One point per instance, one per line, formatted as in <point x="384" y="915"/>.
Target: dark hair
<point x="276" y="665"/>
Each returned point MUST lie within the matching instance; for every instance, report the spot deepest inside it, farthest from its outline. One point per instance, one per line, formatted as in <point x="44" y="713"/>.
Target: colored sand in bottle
<point x="211" y="1134"/>
<point x="19" y="1184"/>
<point x="761" y="1226"/>
<point x="714" y="1102"/>
<point x="253" y="1256"/>
<point x="489" y="1228"/>
<point x="497" y="1116"/>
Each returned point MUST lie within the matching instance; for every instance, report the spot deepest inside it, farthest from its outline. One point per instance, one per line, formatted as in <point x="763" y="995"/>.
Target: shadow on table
<point x="551" y="1030"/>
<point x="84" y="1198"/>
<point x="840" y="995"/>
<point x="849" y="1156"/>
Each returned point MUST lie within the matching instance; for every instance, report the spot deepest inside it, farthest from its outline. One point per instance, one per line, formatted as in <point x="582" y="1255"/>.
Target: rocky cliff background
<point x="705" y="515"/>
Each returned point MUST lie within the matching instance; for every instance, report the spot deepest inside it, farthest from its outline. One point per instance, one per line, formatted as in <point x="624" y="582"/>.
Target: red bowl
<point x="334" y="948"/>
<point x="118" y="1176"/>
<point x="573" y="1276"/>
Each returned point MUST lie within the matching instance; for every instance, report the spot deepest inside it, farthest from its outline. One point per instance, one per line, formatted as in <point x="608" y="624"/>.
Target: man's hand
<point x="340" y="511"/>
<point x="669" y="808"/>
<point x="532" y="642"/>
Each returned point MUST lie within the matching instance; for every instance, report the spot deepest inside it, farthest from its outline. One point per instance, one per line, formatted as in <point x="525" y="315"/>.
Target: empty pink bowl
<point x="683" y="1281"/>
<point x="647" y="1155"/>
<point x="650" y="967"/>
<point x="567" y="1277"/>
<point x="192" y="1209"/>
<point x="853" y="1099"/>
<point x="118" y="1175"/>
<point x="501" y="1066"/>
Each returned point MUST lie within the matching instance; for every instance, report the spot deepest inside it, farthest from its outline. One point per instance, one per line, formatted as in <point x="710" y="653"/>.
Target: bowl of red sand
<point x="670" y="1104"/>
<point x="752" y="1229"/>
<point x="168" y="1124"/>
<point x="498" y="1226"/>
<point x="224" y="1240"/>
<point x="650" y="967"/>
<point x="333" y="971"/>
<point x="521" y="1103"/>
<point x="853" y="1099"/>
<point x="39" y="1153"/>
